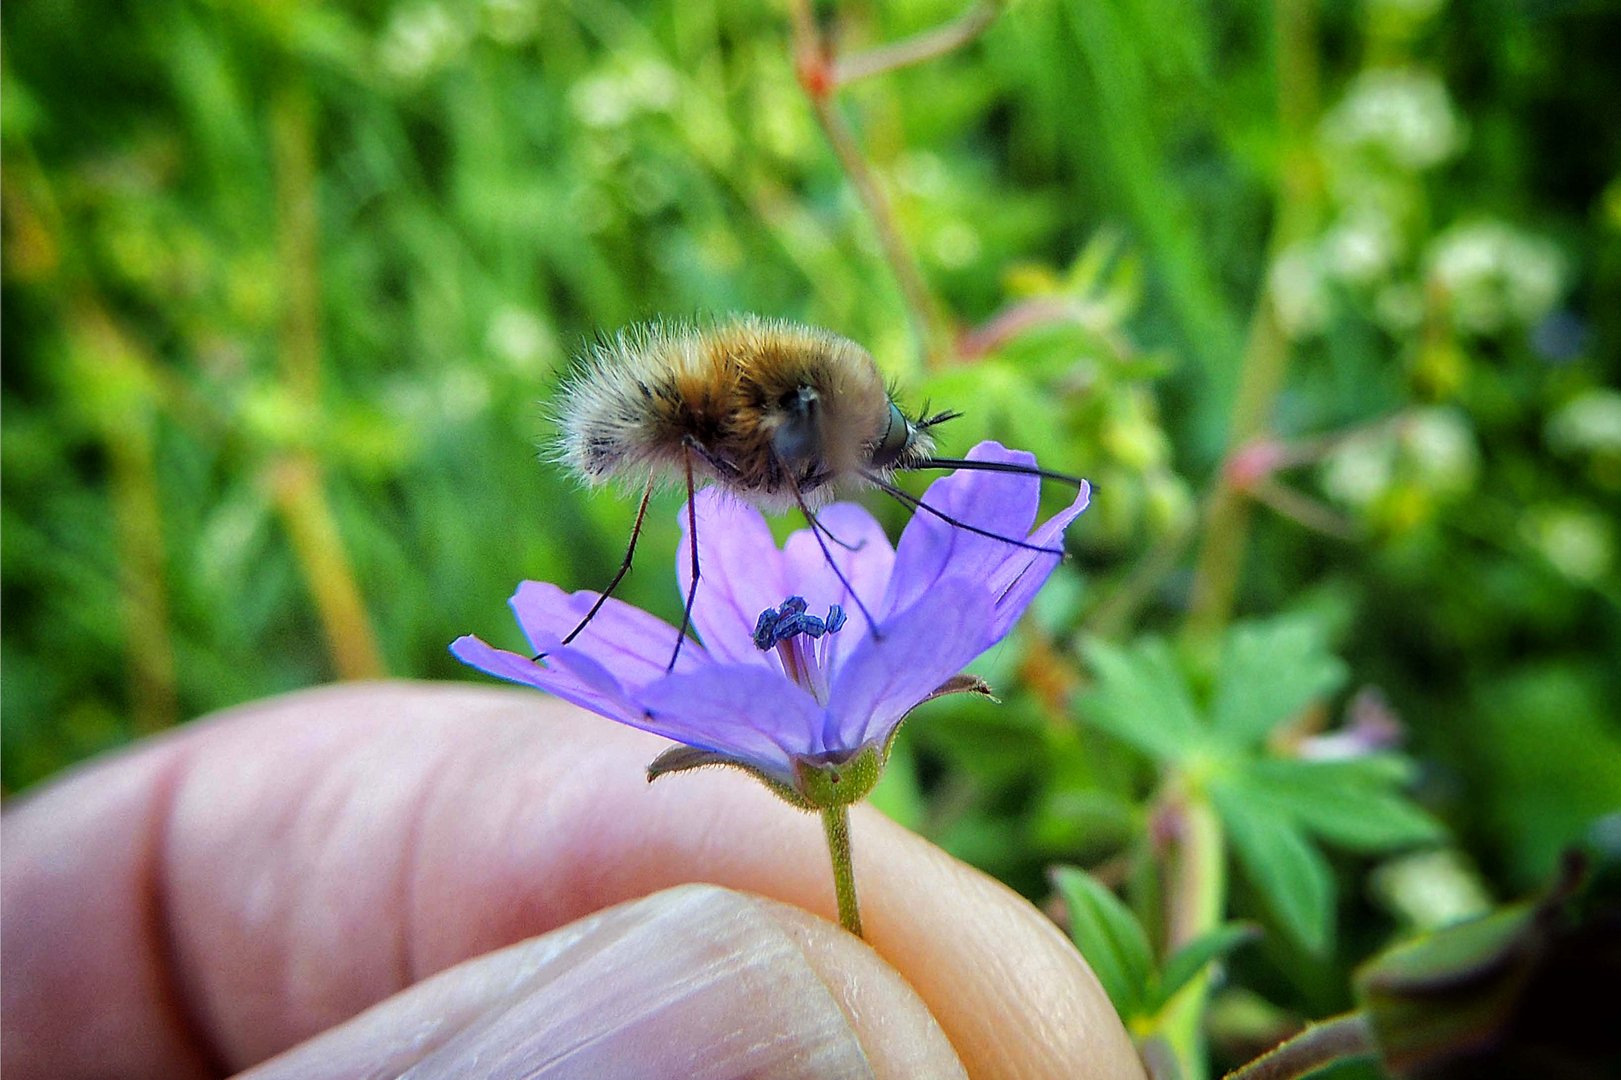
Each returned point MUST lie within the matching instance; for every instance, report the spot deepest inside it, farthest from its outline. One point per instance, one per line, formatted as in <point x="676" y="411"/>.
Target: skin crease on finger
<point x="268" y="873"/>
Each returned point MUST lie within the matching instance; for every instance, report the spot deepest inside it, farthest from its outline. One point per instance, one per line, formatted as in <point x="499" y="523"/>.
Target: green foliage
<point x="1268" y="673"/>
<point x="1116" y="945"/>
<point x="1272" y="807"/>
<point x="1110" y="937"/>
<point x="1284" y="866"/>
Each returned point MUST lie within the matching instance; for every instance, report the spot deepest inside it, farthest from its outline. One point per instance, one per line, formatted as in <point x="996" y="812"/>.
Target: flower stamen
<point x="798" y="639"/>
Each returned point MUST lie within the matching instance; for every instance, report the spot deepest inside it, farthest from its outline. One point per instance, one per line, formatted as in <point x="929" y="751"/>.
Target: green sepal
<point x="685" y="758"/>
<point x="963" y="683"/>
<point x="825" y="784"/>
<point x="817" y="784"/>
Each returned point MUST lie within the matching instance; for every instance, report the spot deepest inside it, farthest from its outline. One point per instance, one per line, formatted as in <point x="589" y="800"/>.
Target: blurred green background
<point x="286" y="285"/>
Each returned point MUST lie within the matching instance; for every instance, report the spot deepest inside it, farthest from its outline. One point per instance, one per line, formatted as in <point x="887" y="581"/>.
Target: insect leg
<point x="816" y="523"/>
<point x="996" y="466"/>
<point x="619" y="575"/>
<point x="817" y="530"/>
<point x="692" y="531"/>
<point x="907" y="499"/>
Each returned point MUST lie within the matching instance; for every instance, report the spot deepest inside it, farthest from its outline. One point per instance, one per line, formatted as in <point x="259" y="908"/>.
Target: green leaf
<point x="1141" y="698"/>
<point x="1109" y="936"/>
<point x="1343" y="802"/>
<point x="1191" y="959"/>
<point x="1269" y="672"/>
<point x="1290" y="874"/>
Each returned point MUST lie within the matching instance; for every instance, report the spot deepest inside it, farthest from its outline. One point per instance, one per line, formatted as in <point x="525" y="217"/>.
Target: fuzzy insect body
<point x="775" y="412"/>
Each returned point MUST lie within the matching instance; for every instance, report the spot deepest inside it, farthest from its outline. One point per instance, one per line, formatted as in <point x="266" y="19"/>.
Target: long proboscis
<point x="906" y="498"/>
<point x="996" y="466"/>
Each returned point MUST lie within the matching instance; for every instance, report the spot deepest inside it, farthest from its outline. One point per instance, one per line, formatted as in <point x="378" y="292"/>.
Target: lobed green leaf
<point x="1292" y="877"/>
<point x="1269" y="672"/>
<point x="1141" y="698"/>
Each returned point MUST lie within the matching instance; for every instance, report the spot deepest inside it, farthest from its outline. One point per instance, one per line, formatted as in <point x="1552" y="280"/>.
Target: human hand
<point x="354" y="879"/>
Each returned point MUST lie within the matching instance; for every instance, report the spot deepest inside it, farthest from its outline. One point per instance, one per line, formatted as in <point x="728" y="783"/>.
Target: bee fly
<point x="774" y="412"/>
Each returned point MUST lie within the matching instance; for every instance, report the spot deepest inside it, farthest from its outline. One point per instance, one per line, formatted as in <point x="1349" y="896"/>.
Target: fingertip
<point x="894" y="1026"/>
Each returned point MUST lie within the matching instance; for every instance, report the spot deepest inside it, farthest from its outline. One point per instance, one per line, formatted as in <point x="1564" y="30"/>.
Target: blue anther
<point x="779" y="624"/>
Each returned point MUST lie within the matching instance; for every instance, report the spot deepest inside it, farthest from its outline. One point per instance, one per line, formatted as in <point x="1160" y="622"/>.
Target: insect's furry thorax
<point x="773" y="411"/>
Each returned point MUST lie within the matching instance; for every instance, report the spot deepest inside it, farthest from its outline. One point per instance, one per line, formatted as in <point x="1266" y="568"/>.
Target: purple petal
<point x="1000" y="503"/>
<point x="590" y="689"/>
<point x="748" y="713"/>
<point x="922" y="647"/>
<point x="575" y="677"/>
<point x="635" y="645"/>
<point x="1017" y="580"/>
<point x="867" y="569"/>
<point x="741" y="573"/>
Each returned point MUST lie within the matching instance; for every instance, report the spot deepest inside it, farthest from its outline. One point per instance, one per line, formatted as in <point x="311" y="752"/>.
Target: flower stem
<point x="296" y="478"/>
<point x="836" y="823"/>
<point x="916" y="49"/>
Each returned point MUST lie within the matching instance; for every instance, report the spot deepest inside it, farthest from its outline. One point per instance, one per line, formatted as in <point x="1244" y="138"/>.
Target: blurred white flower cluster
<point x="1401" y="472"/>
<point x="1377" y="255"/>
<point x="1492" y="275"/>
<point x="424" y="38"/>
<point x="1575" y="539"/>
<point x="1401" y="117"/>
<point x="418" y="41"/>
<point x="622" y="90"/>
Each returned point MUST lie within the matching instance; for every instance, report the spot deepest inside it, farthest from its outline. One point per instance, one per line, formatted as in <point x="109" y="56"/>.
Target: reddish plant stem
<point x="1266" y="355"/>
<point x="926" y="45"/>
<point x="818" y="76"/>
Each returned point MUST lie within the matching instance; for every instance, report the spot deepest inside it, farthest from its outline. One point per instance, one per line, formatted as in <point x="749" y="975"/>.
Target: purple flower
<point x="790" y="677"/>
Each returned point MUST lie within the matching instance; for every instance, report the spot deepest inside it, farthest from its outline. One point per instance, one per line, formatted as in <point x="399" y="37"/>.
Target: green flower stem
<point x="1196" y="900"/>
<point x="836" y="823"/>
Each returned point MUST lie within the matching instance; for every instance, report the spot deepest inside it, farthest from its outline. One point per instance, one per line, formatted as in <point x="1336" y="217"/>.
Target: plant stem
<point x="1328" y="1042"/>
<point x="817" y="77"/>
<point x="1266" y="354"/>
<point x="1196" y="898"/>
<point x="836" y="824"/>
<point x="295" y="486"/>
<point x="936" y="41"/>
<point x="296" y="479"/>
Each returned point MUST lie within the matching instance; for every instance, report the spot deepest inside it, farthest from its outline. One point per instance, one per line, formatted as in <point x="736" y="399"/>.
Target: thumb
<point x="696" y="981"/>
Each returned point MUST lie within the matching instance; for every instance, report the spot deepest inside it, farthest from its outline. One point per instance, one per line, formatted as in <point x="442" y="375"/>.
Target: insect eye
<point x="896" y="436"/>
